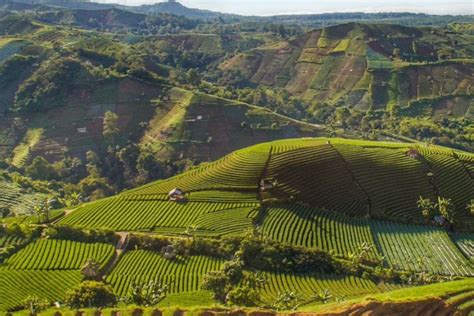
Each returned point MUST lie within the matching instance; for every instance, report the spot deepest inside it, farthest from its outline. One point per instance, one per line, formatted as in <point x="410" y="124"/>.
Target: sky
<point x="275" y="7"/>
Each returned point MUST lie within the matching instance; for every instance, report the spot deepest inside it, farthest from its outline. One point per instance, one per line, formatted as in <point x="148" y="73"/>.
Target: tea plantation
<point x="323" y="219"/>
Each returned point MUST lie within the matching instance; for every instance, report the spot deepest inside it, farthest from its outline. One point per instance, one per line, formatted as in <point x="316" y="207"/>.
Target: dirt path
<point x="120" y="249"/>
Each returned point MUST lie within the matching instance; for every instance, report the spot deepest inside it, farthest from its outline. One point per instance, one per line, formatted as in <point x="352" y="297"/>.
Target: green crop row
<point x="453" y="182"/>
<point x="18" y="285"/>
<point x="239" y="170"/>
<point x="182" y="275"/>
<point x="307" y="286"/>
<point x="392" y="180"/>
<point x="420" y="248"/>
<point x="319" y="176"/>
<point x="465" y="242"/>
<point x="314" y="228"/>
<point x="404" y="246"/>
<point x="133" y="215"/>
<point x="7" y="240"/>
<point x="50" y="254"/>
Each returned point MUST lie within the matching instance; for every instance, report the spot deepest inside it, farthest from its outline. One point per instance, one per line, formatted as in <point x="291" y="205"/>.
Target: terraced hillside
<point x="204" y="127"/>
<point x="326" y="196"/>
<point x="18" y="200"/>
<point x="86" y="84"/>
<point x="378" y="66"/>
<point x="46" y="269"/>
<point x="331" y="194"/>
<point x="352" y="178"/>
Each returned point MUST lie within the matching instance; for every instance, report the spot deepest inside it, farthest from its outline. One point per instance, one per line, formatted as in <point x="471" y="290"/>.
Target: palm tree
<point x="446" y="208"/>
<point x="470" y="207"/>
<point x="42" y="210"/>
<point x="427" y="207"/>
<point x="323" y="296"/>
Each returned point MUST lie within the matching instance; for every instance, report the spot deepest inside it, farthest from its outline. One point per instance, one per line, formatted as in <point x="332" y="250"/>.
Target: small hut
<point x="177" y="195"/>
<point x="412" y="153"/>
<point x="440" y="220"/>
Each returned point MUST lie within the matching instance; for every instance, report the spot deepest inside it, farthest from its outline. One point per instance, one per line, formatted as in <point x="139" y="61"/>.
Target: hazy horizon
<point x="278" y="7"/>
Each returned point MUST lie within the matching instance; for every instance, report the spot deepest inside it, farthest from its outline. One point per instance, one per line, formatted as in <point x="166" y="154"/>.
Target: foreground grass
<point x="178" y="302"/>
<point x="412" y="294"/>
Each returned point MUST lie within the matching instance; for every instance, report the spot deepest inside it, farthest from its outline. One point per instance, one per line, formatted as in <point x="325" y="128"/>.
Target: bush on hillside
<point x="90" y="294"/>
<point x="75" y="234"/>
<point x="43" y="89"/>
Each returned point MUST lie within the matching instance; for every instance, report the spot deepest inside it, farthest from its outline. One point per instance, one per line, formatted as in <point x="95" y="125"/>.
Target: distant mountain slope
<point x="178" y="9"/>
<point x="377" y="66"/>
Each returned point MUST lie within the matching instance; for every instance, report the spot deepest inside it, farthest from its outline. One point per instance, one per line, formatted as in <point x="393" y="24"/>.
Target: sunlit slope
<point x="383" y="66"/>
<point x="353" y="178"/>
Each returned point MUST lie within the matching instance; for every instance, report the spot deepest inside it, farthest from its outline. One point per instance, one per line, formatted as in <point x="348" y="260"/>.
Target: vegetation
<point x="104" y="109"/>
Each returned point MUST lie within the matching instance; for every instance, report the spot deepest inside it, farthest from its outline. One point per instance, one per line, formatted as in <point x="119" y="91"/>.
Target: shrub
<point x="35" y="304"/>
<point x="75" y="234"/>
<point x="243" y="296"/>
<point x="90" y="294"/>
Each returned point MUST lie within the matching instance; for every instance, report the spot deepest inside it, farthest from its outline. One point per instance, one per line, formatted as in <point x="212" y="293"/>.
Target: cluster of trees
<point x="40" y="91"/>
<point x="110" y="169"/>
<point x="443" y="207"/>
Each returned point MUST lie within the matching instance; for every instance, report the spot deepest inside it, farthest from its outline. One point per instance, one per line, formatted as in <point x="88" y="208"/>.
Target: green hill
<point x="331" y="194"/>
<point x="368" y="65"/>
<point x="354" y="178"/>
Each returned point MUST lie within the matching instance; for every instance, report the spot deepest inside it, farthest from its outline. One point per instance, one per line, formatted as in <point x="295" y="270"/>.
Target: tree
<point x="35" y="304"/>
<point x="193" y="77"/>
<point x="71" y="200"/>
<point x="221" y="282"/>
<point x="5" y="211"/>
<point x="90" y="294"/>
<point x="129" y="157"/>
<point x="362" y="253"/>
<point x="190" y="231"/>
<point x="147" y="294"/>
<point x="287" y="300"/>
<point x="427" y="207"/>
<point x="42" y="210"/>
<point x="243" y="296"/>
<point x="470" y="207"/>
<point x="323" y="296"/>
<point x="248" y="294"/>
<point x="217" y="283"/>
<point x="110" y="126"/>
<point x="446" y="208"/>
<point x="41" y="169"/>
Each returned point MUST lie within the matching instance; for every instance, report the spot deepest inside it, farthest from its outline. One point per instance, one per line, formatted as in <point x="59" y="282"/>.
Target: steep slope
<point x="204" y="128"/>
<point x="369" y="65"/>
<point x="95" y="74"/>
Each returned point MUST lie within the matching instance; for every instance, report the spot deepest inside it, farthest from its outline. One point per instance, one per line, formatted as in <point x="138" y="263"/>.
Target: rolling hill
<point x="87" y="79"/>
<point x="347" y="178"/>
